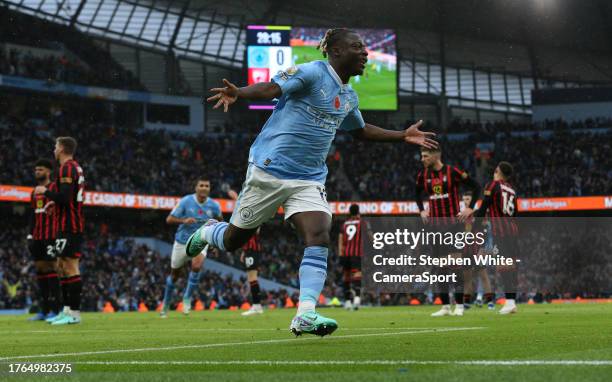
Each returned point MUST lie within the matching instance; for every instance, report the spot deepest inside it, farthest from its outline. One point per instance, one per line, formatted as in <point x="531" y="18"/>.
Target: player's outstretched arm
<point x="229" y="94"/>
<point x="411" y="135"/>
<point x="174" y="220"/>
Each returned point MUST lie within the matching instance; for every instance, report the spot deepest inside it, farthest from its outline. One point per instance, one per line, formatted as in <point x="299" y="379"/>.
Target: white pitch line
<point x="77" y="332"/>
<point x="205" y="346"/>
<point x="364" y="362"/>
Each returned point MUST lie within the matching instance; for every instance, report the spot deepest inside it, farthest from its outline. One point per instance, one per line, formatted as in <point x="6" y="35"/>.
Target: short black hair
<point x="202" y="178"/>
<point x="354" y="209"/>
<point x="331" y="38"/>
<point x="468" y="193"/>
<point x="42" y="162"/>
<point x="506" y="169"/>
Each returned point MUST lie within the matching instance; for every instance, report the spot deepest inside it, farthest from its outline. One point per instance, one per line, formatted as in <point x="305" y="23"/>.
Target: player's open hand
<point x="48" y="208"/>
<point x="225" y="96"/>
<point x="465" y="214"/>
<point x="425" y="216"/>
<point x="417" y="137"/>
<point x="40" y="190"/>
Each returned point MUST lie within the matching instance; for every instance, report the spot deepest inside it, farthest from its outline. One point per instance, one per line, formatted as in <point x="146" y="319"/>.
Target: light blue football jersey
<point x="296" y="139"/>
<point x="188" y="207"/>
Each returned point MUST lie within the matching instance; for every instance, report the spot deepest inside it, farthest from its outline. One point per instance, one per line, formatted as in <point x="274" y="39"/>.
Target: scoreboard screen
<point x="272" y="48"/>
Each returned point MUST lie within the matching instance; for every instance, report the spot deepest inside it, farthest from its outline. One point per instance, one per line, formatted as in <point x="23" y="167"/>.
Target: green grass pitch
<point x="376" y="92"/>
<point x="395" y="343"/>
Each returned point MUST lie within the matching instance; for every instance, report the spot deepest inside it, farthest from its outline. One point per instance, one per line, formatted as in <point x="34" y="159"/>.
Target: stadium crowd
<point x="160" y="162"/>
<point x="114" y="270"/>
<point x="73" y="57"/>
<point x="566" y="163"/>
<point x="382" y="40"/>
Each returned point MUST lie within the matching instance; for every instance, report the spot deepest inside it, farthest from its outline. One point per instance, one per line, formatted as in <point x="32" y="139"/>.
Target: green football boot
<point x="312" y="323"/>
<point x="195" y="244"/>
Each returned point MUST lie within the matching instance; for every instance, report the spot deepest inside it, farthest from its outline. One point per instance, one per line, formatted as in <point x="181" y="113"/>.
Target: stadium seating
<point x="35" y="48"/>
<point x="115" y="270"/>
<point x="158" y="162"/>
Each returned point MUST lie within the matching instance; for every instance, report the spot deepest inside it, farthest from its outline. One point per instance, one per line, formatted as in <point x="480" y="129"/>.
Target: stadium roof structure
<point x="196" y="32"/>
<point x="213" y="33"/>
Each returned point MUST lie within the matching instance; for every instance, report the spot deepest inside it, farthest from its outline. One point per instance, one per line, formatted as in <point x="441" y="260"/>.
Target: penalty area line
<point x="243" y="343"/>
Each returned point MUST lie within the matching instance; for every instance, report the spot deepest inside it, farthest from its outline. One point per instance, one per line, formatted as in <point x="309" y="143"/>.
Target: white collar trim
<point x="198" y="203"/>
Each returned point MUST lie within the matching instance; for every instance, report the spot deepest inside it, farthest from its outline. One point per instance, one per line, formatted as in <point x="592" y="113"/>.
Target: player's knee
<point x="49" y="267"/>
<point x="71" y="267"/>
<point x="251" y="275"/>
<point x="317" y="237"/>
<point x="175" y="274"/>
<point x="196" y="263"/>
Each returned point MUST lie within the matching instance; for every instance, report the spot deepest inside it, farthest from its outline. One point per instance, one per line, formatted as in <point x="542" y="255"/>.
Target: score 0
<point x="280" y="59"/>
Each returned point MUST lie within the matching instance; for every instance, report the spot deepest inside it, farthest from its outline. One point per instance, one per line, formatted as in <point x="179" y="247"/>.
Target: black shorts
<point x="69" y="245"/>
<point x="352" y="263"/>
<point x="251" y="260"/>
<point x="43" y="250"/>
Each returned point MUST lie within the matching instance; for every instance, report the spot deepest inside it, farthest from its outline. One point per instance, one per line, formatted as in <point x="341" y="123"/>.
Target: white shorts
<point x="179" y="256"/>
<point x="262" y="194"/>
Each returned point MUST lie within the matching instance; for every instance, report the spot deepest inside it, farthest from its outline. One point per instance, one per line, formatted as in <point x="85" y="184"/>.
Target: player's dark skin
<point x="348" y="57"/>
<point x="43" y="178"/>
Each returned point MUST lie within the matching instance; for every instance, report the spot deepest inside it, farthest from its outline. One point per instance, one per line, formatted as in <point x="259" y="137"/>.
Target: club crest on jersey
<point x="337" y="102"/>
<point x="246" y="213"/>
<point x="292" y="70"/>
<point x="322" y="193"/>
<point x="436" y="186"/>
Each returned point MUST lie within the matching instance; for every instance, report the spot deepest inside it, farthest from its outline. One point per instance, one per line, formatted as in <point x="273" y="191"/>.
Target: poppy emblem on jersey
<point x="337" y="102"/>
<point x="39" y="204"/>
<point x="200" y="212"/>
